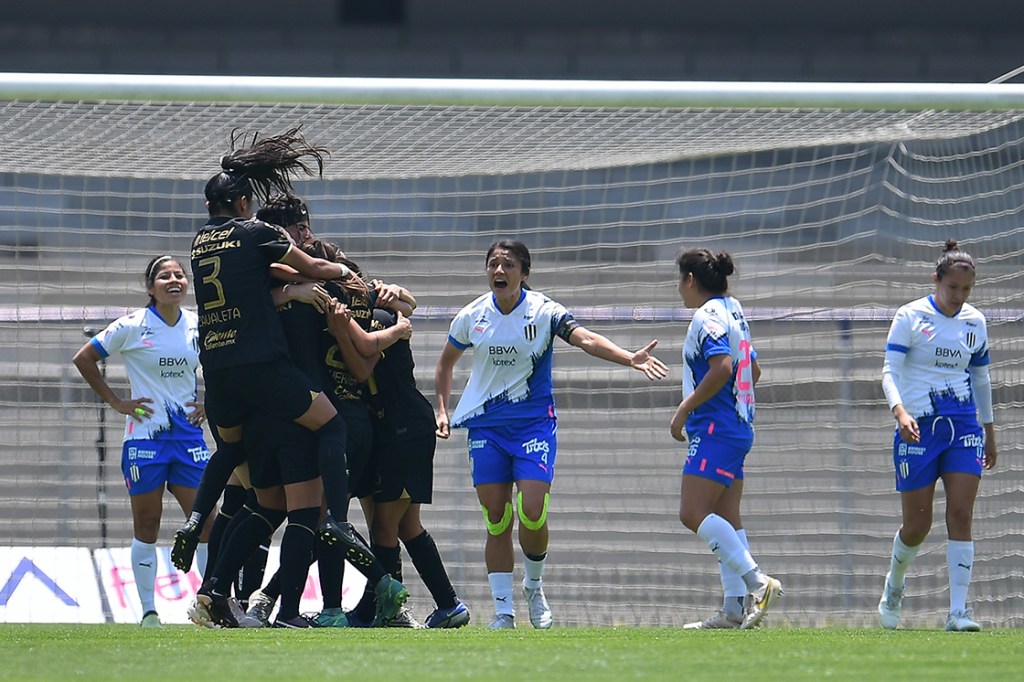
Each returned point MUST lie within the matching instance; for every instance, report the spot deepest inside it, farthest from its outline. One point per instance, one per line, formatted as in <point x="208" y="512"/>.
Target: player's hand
<point x="386" y="293"/>
<point x="311" y="293"/>
<point x="338" y="317"/>
<point x="443" y="427"/>
<point x="990" y="454"/>
<point x="136" y="408"/>
<point x="652" y="367"/>
<point x="910" y="432"/>
<point x="403" y="323"/>
<point x="679" y="424"/>
<point x="197" y="416"/>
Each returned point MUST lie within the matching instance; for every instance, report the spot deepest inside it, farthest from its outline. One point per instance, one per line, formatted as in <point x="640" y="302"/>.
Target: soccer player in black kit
<point x="243" y="350"/>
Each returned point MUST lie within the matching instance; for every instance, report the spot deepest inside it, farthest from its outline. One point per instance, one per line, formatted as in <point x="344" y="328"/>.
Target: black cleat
<point x="343" y="533"/>
<point x="183" y="551"/>
<point x="217" y="607"/>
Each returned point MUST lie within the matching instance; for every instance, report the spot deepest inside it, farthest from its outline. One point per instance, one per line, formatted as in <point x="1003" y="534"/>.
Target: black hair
<point x="283" y="210"/>
<point x="953" y="257"/>
<point x="261" y="166"/>
<point x="711" y="271"/>
<point x="331" y="252"/>
<point x="149" y="277"/>
<point x="516" y="248"/>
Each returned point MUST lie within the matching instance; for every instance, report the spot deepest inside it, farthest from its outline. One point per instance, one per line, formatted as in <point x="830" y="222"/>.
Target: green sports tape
<point x="533" y="525"/>
<point x="501" y="526"/>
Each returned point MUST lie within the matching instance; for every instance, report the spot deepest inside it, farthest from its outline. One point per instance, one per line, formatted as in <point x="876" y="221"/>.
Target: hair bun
<point x="951" y="245"/>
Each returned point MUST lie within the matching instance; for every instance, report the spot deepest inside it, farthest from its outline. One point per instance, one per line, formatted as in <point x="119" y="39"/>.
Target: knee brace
<point x="529" y="523"/>
<point x="501" y="526"/>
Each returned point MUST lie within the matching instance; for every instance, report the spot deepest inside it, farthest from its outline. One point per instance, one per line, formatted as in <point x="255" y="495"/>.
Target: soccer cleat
<point x="344" y="533"/>
<point x="242" y="617"/>
<point x="454" y="617"/>
<point x="540" y="612"/>
<point x="300" y="622"/>
<point x="719" y="620"/>
<point x="218" y="608"/>
<point x="503" y="621"/>
<point x="198" y="614"/>
<point x="760" y="602"/>
<point x="391" y="594"/>
<point x="260" y="608"/>
<point x="961" y="621"/>
<point x="183" y="551"/>
<point x="151" y="620"/>
<point x="355" y="620"/>
<point x="890" y="605"/>
<point x="405" y="619"/>
<point x="331" y="618"/>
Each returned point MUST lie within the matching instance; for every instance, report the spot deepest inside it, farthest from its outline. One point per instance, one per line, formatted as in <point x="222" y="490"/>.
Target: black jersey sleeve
<point x="273" y="242"/>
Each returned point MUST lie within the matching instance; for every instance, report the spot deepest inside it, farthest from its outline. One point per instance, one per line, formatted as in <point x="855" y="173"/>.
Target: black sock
<point x="296" y="556"/>
<point x="251" y="576"/>
<point x="331" y="439"/>
<point x="234" y="499"/>
<point x="273" y="587"/>
<point x="427" y="560"/>
<point x="331" y="566"/>
<point x="215" y="477"/>
<point x="390" y="559"/>
<point x="244" y="538"/>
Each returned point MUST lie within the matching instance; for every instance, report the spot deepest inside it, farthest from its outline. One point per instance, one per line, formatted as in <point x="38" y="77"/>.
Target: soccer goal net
<point x="833" y="200"/>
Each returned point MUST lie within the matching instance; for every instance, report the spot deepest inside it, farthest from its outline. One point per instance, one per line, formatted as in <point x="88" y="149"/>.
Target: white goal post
<point x="834" y="200"/>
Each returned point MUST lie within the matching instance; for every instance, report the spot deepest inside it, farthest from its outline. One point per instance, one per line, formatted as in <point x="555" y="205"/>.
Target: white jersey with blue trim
<point x="939" y="351"/>
<point x="511" y="375"/>
<point x="719" y="327"/>
<point x="161" y="361"/>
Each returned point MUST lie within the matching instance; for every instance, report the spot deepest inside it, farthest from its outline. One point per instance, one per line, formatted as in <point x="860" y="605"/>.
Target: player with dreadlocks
<point x="242" y="345"/>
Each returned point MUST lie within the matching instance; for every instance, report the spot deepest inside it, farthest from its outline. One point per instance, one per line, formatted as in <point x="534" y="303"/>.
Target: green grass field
<point x="182" y="653"/>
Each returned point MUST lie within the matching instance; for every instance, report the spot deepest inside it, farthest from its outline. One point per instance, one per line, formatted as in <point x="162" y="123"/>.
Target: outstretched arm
<point x="606" y="349"/>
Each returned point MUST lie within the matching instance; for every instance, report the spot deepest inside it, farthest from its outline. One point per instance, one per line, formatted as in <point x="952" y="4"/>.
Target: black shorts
<point x="279" y="452"/>
<point x="406" y="467"/>
<point x="277" y="388"/>
<point x="358" y="446"/>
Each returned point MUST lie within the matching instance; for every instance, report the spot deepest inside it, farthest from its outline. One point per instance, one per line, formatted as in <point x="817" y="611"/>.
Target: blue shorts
<point x="717" y="456"/>
<point x="148" y="464"/>
<point x="948" y="445"/>
<point x="503" y="454"/>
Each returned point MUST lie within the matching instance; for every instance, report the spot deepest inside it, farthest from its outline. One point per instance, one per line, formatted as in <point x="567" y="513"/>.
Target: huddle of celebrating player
<point x="310" y="396"/>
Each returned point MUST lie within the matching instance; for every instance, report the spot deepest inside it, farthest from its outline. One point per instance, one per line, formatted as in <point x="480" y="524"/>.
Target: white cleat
<point x="890" y="606"/>
<point x="503" y="621"/>
<point x="760" y="602"/>
<point x="719" y="620"/>
<point x="961" y="621"/>
<point x="198" y="614"/>
<point x="540" y="612"/>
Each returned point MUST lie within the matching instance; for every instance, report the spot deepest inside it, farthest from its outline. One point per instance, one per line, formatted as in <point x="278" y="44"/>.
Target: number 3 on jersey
<point x="214" y="263"/>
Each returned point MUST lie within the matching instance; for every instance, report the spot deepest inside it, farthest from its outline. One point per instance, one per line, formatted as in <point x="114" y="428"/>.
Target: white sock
<point x="732" y="582"/>
<point x="534" y="570"/>
<point x="202" y="554"/>
<point x="899" y="562"/>
<point x="501" y="592"/>
<point x="959" y="561"/>
<point x="144" y="568"/>
<point x="727" y="546"/>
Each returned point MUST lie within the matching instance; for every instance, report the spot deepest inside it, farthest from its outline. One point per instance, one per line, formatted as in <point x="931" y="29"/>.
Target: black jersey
<point x="231" y="279"/>
<point x="344" y="386"/>
<point x="304" y="328"/>
<point x="399" y="409"/>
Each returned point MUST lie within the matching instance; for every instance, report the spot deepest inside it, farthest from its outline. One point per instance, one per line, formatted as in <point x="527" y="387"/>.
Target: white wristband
<point x="345" y="272"/>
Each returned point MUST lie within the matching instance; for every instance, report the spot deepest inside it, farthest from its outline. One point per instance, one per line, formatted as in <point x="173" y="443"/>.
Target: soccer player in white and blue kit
<point x="163" y="436"/>
<point x="716" y="415"/>
<point x="936" y="382"/>
<point x="508" y="408"/>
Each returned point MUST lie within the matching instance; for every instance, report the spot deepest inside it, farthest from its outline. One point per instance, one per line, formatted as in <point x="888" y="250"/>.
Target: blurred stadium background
<point x="830" y="236"/>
